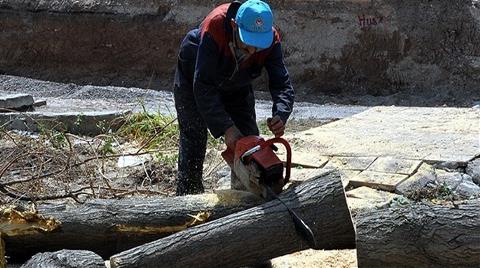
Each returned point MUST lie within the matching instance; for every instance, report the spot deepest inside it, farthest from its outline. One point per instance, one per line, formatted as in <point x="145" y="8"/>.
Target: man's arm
<point x="280" y="86"/>
<point x="205" y="88"/>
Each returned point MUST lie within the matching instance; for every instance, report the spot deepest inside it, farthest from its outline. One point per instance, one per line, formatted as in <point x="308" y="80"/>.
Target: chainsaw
<point x="258" y="167"/>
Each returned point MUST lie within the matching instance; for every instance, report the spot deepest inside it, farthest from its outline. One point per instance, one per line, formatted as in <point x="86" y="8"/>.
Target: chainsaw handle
<point x="285" y="143"/>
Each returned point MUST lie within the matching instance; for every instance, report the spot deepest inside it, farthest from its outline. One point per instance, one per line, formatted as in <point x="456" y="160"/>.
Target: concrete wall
<point x="331" y="46"/>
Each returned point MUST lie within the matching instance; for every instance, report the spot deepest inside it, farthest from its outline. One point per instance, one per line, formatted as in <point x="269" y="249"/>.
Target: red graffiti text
<point x="367" y="21"/>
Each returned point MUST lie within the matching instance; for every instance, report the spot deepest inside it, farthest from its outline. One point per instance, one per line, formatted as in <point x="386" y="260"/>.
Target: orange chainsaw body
<point x="256" y="164"/>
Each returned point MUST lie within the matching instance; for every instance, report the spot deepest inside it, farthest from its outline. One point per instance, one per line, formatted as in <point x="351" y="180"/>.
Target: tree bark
<point x="256" y="234"/>
<point x="420" y="235"/>
<point x="107" y="227"/>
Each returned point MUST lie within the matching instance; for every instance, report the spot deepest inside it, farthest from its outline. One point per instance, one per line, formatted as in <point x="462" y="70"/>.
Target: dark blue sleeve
<point x="205" y="88"/>
<point x="279" y="84"/>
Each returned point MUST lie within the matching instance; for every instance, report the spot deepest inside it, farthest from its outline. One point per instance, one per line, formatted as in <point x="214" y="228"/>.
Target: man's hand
<point x="276" y="125"/>
<point x="232" y="135"/>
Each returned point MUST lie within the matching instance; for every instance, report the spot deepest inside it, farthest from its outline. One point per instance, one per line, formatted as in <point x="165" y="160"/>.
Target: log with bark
<point x="255" y="235"/>
<point x="107" y="227"/>
<point x="420" y="235"/>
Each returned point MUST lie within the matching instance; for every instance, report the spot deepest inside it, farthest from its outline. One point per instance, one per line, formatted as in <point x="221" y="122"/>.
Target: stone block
<point x="304" y="159"/>
<point x="299" y="175"/>
<point x="473" y="169"/>
<point x="378" y="180"/>
<point x="424" y="176"/>
<point x="450" y="179"/>
<point x="395" y="165"/>
<point x="467" y="189"/>
<point x="18" y="102"/>
<point x="350" y="163"/>
<point x="88" y="123"/>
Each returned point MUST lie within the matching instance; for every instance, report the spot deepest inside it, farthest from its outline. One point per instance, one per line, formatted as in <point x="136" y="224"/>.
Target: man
<point x="213" y="83"/>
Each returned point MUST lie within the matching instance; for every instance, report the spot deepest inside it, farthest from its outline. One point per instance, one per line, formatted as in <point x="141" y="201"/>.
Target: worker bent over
<point x="213" y="83"/>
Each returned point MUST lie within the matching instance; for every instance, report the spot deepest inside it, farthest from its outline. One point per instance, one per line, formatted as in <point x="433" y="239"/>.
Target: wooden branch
<point x="256" y="234"/>
<point x="420" y="235"/>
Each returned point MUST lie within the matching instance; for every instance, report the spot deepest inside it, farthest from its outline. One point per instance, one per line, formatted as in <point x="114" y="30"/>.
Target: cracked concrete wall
<point x="332" y="46"/>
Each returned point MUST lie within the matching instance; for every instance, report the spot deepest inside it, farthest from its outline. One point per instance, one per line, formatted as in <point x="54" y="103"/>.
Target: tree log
<point x="420" y="235"/>
<point x="107" y="227"/>
<point x="256" y="234"/>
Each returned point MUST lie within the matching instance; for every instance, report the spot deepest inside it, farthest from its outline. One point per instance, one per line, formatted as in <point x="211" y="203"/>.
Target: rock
<point x="473" y="169"/>
<point x="18" y="102"/>
<point x="424" y="176"/>
<point x="449" y="165"/>
<point x="65" y="259"/>
<point x="450" y="179"/>
<point x="467" y="189"/>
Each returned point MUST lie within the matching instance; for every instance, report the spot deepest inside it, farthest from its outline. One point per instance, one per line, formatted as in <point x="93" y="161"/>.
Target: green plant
<point x="107" y="146"/>
<point x="55" y="137"/>
<point x="103" y="126"/>
<point x="444" y="191"/>
<point x="80" y="118"/>
<point x="263" y="128"/>
<point x="399" y="201"/>
<point x="153" y="130"/>
<point x="168" y="159"/>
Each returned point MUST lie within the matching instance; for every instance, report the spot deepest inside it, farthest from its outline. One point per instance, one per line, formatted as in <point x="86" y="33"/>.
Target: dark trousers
<point x="239" y="103"/>
<point x="193" y="132"/>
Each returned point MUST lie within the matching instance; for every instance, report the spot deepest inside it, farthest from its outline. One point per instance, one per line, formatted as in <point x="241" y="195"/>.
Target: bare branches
<point x="52" y="165"/>
<point x="34" y="167"/>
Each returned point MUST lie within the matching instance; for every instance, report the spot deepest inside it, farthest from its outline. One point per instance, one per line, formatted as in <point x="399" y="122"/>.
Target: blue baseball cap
<point x="255" y="21"/>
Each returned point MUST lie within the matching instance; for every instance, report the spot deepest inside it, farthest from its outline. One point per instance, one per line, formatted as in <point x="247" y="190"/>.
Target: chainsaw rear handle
<point x="285" y="143"/>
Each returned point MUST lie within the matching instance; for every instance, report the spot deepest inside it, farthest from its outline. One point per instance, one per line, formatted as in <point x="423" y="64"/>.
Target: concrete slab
<point x="416" y="182"/>
<point x="15" y="102"/>
<point x="378" y="180"/>
<point x="395" y="165"/>
<point x="449" y="134"/>
<point x="299" y="175"/>
<point x="85" y="123"/>
<point x="365" y="198"/>
<point x="350" y="163"/>
<point x="304" y="159"/>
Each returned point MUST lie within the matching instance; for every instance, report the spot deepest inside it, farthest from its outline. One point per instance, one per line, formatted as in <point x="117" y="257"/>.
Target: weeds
<point x="154" y="131"/>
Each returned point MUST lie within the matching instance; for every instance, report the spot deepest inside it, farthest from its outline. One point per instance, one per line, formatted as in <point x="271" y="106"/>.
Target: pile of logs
<point x="234" y="229"/>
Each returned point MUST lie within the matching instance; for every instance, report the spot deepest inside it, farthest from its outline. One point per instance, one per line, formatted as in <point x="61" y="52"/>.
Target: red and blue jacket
<point x="207" y="62"/>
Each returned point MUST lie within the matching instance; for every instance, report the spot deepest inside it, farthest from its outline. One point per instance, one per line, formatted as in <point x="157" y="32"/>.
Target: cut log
<point x="65" y="258"/>
<point x="107" y="227"/>
<point x="254" y="235"/>
<point x="420" y="235"/>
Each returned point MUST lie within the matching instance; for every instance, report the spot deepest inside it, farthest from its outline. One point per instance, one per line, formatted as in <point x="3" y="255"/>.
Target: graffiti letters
<point x="367" y="21"/>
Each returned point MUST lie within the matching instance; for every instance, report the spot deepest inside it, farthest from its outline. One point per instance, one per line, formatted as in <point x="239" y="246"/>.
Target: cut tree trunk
<point x="256" y="234"/>
<point x="107" y="227"/>
<point x="420" y="235"/>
